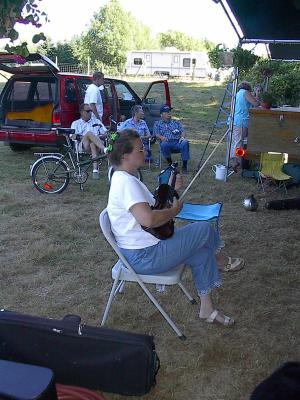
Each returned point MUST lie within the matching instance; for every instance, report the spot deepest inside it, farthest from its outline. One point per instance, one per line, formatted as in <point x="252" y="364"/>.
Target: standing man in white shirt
<point x="90" y="128"/>
<point x="93" y="95"/>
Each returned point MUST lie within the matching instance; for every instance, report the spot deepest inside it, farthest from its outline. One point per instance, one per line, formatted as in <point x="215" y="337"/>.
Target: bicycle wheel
<point x="50" y="175"/>
<point x="111" y="172"/>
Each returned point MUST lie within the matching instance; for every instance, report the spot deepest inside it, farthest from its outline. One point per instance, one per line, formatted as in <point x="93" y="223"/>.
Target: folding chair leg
<point x="162" y="311"/>
<point x="110" y="299"/>
<point x="120" y="287"/>
<point x="185" y="291"/>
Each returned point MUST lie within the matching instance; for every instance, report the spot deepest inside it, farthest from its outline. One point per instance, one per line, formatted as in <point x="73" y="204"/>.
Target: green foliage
<point x="63" y="51"/>
<point x="243" y="59"/>
<point x="111" y="34"/>
<point x="284" y="81"/>
<point x="24" y="12"/>
<point x="182" y="41"/>
<point x="214" y="56"/>
<point x="267" y="97"/>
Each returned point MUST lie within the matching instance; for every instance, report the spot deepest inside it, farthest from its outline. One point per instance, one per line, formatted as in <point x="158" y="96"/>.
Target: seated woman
<point x="139" y="124"/>
<point x="129" y="208"/>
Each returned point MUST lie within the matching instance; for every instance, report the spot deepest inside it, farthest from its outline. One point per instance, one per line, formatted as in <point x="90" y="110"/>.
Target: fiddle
<point x="163" y="196"/>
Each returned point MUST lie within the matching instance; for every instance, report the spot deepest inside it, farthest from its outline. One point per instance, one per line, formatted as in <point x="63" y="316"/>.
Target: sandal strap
<point x="212" y="317"/>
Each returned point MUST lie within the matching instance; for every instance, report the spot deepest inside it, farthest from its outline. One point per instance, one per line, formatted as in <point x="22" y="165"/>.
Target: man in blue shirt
<point x="138" y="124"/>
<point x="172" y="138"/>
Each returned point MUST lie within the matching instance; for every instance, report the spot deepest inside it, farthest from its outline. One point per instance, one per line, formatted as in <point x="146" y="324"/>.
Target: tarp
<point x="267" y="19"/>
<point x="276" y="22"/>
<point x="280" y="51"/>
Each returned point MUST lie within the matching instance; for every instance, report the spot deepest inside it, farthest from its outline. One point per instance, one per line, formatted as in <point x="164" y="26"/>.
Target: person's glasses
<point x="141" y="150"/>
<point x="88" y="111"/>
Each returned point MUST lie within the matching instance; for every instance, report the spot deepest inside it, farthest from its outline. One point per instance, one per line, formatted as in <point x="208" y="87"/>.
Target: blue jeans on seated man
<point x="174" y="146"/>
<point x="148" y="155"/>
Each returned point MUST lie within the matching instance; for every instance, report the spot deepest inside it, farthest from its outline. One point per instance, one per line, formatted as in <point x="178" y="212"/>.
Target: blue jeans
<point x="174" y="146"/>
<point x="194" y="244"/>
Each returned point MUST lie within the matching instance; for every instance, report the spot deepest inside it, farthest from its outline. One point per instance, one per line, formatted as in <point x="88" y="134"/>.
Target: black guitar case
<point x="81" y="355"/>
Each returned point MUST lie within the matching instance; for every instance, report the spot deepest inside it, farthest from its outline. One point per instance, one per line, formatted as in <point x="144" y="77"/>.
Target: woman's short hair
<point x="135" y="109"/>
<point x="122" y="145"/>
<point x="245" y="85"/>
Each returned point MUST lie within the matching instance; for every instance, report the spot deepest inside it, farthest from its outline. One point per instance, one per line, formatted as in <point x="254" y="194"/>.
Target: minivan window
<point x="123" y="92"/>
<point x="44" y="92"/>
<point x="70" y="91"/>
<point x="19" y="91"/>
<point x="82" y="85"/>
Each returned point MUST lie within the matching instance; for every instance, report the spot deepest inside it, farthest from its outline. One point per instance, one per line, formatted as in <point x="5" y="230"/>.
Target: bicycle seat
<point x="65" y="131"/>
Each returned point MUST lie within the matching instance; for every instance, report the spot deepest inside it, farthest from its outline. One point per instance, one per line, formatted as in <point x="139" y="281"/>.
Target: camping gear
<point x="92" y="357"/>
<point x="293" y="170"/>
<point x="220" y="171"/>
<point x="285" y="204"/>
<point x="26" y="382"/>
<point x="250" y="203"/>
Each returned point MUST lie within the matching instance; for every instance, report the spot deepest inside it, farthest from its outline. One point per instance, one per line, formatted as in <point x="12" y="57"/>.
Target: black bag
<point x="92" y="357"/>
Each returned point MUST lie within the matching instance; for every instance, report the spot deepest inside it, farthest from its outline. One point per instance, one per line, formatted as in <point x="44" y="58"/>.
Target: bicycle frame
<point x="73" y="157"/>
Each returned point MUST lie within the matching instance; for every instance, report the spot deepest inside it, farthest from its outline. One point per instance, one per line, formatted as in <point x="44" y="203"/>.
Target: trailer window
<point x="137" y="61"/>
<point x="194" y="61"/>
<point x="186" y="62"/>
<point x="147" y="57"/>
<point x="175" y="59"/>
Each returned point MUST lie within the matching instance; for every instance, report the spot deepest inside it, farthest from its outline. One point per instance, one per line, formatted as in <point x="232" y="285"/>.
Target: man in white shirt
<point x="90" y="128"/>
<point x="93" y="95"/>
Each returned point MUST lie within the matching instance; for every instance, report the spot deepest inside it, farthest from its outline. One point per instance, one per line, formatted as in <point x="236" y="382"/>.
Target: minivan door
<point x="156" y="95"/>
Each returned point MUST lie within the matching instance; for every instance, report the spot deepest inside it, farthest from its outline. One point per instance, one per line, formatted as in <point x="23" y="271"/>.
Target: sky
<point x="198" y="18"/>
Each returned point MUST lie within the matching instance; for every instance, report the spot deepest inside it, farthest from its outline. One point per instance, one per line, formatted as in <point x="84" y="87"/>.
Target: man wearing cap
<point x="172" y="138"/>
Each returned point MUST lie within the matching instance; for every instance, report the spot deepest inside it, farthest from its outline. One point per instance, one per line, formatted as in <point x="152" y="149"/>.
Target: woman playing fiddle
<point x="129" y="208"/>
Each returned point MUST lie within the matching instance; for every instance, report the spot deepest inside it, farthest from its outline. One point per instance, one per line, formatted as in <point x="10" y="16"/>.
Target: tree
<point x="63" y="51"/>
<point x="111" y="34"/>
<point x="182" y="41"/>
<point x="24" y="12"/>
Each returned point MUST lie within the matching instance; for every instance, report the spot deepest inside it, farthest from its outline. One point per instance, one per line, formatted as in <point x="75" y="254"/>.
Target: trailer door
<point x="156" y="96"/>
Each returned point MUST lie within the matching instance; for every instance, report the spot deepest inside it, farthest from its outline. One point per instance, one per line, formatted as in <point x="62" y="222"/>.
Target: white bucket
<point x="219" y="171"/>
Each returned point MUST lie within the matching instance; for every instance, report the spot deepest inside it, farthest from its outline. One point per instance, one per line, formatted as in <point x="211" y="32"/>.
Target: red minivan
<point x="37" y="99"/>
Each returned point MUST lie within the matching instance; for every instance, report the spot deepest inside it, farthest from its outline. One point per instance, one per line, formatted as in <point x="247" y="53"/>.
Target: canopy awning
<point x="274" y="22"/>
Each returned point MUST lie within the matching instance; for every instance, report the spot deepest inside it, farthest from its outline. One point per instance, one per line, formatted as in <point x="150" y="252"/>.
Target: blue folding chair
<point x="194" y="212"/>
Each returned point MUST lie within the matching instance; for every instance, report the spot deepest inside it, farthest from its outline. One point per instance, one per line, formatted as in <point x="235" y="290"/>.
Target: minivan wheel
<point x="19" y="146"/>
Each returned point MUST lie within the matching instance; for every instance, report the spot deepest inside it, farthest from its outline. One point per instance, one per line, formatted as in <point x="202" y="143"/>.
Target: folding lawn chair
<point x="123" y="272"/>
<point x="271" y="168"/>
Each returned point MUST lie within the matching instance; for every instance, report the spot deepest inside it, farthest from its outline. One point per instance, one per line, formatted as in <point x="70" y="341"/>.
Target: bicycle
<point x="51" y="173"/>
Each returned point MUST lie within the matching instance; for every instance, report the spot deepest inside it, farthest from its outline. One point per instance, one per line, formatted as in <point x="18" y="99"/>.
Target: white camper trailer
<point x="168" y="63"/>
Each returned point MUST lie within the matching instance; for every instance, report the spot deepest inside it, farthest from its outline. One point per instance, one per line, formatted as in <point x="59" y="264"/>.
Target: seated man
<point x="90" y="129"/>
<point x="140" y="126"/>
<point x="172" y="138"/>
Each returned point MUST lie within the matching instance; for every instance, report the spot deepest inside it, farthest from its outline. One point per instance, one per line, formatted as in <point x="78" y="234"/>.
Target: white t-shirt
<point x="82" y="127"/>
<point x="93" y="95"/>
<point x="125" y="191"/>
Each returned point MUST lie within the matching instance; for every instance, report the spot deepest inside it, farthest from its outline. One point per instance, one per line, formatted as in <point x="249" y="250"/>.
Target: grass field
<point x="55" y="261"/>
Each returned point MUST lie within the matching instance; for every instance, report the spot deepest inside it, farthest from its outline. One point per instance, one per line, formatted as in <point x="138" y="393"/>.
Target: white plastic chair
<point x="122" y="272"/>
